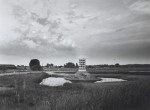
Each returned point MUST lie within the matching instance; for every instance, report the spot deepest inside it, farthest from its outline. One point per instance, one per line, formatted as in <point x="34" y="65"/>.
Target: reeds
<point x="29" y="95"/>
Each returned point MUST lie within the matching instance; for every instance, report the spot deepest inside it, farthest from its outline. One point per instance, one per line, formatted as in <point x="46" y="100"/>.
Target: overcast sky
<point x="58" y="31"/>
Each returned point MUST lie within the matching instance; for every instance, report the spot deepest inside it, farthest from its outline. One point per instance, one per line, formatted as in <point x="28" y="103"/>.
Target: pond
<point x="110" y="80"/>
<point x="52" y="81"/>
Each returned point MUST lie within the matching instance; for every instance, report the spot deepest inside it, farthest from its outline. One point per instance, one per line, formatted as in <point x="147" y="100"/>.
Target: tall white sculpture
<point x="82" y="64"/>
<point x="82" y="74"/>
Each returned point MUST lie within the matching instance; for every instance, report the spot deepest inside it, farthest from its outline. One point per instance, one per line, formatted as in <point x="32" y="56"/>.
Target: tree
<point x="49" y="65"/>
<point x="35" y="65"/>
<point x="77" y="65"/>
<point x="117" y="65"/>
<point x="69" y="65"/>
<point x="4" y="69"/>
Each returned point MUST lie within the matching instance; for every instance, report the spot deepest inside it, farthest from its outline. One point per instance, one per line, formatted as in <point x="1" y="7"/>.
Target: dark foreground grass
<point x="29" y="95"/>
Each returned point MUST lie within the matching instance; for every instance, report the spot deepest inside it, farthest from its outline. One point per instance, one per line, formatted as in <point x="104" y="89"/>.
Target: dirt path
<point x="14" y="73"/>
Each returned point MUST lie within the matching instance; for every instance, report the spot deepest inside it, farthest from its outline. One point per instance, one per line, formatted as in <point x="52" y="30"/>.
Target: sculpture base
<point x="82" y="76"/>
<point x="81" y="70"/>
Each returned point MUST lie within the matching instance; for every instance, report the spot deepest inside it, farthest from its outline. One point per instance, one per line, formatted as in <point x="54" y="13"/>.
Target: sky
<point x="61" y="31"/>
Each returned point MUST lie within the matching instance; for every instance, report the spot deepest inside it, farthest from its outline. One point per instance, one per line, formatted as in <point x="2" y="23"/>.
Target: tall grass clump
<point x="29" y="95"/>
<point x="128" y="96"/>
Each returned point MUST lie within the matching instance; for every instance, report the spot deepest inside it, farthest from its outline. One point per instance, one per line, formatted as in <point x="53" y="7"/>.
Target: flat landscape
<point x="26" y="93"/>
<point x="74" y="54"/>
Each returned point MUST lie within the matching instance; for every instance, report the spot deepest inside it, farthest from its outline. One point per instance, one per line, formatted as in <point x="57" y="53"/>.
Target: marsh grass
<point x="29" y="95"/>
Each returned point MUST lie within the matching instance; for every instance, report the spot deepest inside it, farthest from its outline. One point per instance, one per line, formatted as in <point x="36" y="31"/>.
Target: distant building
<point x="82" y="64"/>
<point x="7" y="66"/>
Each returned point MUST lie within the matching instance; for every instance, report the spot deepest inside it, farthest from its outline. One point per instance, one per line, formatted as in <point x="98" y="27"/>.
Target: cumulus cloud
<point x="36" y="33"/>
<point x="141" y="6"/>
<point x="90" y="28"/>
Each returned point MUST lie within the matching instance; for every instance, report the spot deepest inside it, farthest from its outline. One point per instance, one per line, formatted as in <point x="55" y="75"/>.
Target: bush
<point x="35" y="65"/>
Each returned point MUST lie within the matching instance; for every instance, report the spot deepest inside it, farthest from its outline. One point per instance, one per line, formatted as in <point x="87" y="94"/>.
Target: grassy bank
<point x="29" y="95"/>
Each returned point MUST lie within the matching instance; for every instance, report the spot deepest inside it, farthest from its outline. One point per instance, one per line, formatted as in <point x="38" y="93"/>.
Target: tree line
<point x="35" y="65"/>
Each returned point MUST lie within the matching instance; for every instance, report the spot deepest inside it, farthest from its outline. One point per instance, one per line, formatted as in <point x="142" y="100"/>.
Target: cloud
<point x="36" y="34"/>
<point x="141" y="6"/>
<point x="73" y="28"/>
<point x="30" y="44"/>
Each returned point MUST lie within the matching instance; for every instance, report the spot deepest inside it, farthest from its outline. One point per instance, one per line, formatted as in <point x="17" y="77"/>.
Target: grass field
<point x="29" y="95"/>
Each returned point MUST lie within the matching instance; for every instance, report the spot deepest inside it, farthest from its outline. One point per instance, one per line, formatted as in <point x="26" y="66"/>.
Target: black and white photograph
<point x="74" y="54"/>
